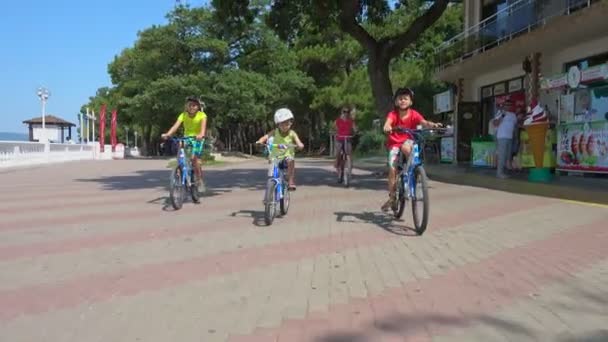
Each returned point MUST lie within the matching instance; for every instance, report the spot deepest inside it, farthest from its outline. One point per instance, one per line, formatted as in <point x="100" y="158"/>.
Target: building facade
<point x="551" y="50"/>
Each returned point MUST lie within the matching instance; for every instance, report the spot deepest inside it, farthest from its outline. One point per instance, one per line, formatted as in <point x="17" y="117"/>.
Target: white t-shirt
<point x="507" y="125"/>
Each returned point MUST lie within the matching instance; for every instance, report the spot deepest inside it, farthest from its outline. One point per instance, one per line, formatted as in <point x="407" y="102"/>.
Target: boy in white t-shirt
<point x="505" y="121"/>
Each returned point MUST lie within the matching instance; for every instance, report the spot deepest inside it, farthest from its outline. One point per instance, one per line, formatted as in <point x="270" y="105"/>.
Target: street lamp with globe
<point x="43" y="94"/>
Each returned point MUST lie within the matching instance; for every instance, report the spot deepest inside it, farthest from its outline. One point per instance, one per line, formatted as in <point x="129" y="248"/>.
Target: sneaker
<point x="502" y="176"/>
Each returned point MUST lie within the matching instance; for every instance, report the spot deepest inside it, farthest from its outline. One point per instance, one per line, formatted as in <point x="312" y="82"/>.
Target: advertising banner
<point x="583" y="146"/>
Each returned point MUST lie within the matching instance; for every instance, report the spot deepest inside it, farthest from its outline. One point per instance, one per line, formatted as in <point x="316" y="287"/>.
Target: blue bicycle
<point x="277" y="189"/>
<point x="183" y="177"/>
<point x="412" y="182"/>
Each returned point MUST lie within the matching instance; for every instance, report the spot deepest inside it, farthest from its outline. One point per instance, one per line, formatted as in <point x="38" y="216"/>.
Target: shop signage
<point x="515" y="85"/>
<point x="597" y="72"/>
<point x="499" y="89"/>
<point x="575" y="76"/>
<point x="443" y="102"/>
<point x="553" y="81"/>
<point x="447" y="149"/>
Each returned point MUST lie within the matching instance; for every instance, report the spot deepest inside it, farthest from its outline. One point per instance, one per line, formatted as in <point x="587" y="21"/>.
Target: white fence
<point x="23" y="153"/>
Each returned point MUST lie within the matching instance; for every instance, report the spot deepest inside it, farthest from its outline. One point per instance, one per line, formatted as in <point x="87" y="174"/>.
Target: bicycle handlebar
<point x="185" y="138"/>
<point x="279" y="146"/>
<point x="417" y="131"/>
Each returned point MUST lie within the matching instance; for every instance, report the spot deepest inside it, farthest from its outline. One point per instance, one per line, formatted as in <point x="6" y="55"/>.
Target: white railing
<point x="518" y="18"/>
<point x="23" y="153"/>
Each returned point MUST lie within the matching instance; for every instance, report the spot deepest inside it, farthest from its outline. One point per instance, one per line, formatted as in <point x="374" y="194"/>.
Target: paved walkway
<point x="91" y="251"/>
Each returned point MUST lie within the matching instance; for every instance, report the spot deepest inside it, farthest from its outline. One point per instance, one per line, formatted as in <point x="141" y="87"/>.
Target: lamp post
<point x="81" y="129"/>
<point x="43" y="94"/>
<point x="136" y="140"/>
<point x="127" y="130"/>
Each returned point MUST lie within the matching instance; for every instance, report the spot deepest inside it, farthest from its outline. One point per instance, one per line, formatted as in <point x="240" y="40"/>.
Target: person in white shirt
<point x="505" y="121"/>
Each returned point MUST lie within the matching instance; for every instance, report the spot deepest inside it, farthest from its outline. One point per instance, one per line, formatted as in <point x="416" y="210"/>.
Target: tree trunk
<point x="378" y="70"/>
<point x="147" y="140"/>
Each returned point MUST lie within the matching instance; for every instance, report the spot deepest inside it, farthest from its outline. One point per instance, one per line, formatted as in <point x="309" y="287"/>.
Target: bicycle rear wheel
<point x="194" y="187"/>
<point x="270" y="202"/>
<point x="420" y="200"/>
<point x="176" y="189"/>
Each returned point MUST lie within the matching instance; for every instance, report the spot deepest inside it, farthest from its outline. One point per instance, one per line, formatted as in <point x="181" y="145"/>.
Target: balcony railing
<point x="520" y="17"/>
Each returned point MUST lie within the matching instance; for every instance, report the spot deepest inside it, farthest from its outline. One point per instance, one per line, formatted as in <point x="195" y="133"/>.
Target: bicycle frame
<point x="183" y="162"/>
<point x="275" y="172"/>
<point x="277" y="175"/>
<point x="415" y="160"/>
<point x="345" y="139"/>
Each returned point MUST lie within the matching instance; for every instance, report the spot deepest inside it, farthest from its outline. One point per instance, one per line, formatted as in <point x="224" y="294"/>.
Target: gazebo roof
<point x="49" y="120"/>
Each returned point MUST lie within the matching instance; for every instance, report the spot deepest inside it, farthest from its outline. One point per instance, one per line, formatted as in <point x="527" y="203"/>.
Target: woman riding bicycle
<point x="404" y="116"/>
<point x="195" y="125"/>
<point x="344" y="127"/>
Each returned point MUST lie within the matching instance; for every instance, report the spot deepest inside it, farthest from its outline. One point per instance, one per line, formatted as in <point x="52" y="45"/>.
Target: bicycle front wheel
<point x="176" y="189"/>
<point x="420" y="200"/>
<point x="285" y="201"/>
<point x="401" y="197"/>
<point x="270" y="202"/>
<point x="347" y="168"/>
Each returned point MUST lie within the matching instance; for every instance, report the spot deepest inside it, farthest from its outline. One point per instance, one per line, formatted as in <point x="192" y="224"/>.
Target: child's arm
<point x="429" y="124"/>
<point x="172" y="130"/>
<point x="388" y="125"/>
<point x="203" y="129"/>
<point x="263" y="139"/>
<point x="298" y="142"/>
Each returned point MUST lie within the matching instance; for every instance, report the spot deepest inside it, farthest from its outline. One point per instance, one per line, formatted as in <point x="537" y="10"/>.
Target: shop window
<point x="587" y="62"/>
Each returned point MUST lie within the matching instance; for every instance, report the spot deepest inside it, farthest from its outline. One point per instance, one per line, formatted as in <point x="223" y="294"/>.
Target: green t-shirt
<point x="192" y="125"/>
<point x="289" y="139"/>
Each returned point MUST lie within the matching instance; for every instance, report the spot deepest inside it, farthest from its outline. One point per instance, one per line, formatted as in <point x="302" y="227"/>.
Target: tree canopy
<point x="248" y="58"/>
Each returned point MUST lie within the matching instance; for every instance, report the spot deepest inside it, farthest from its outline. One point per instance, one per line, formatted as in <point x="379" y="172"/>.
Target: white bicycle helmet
<point x="282" y="115"/>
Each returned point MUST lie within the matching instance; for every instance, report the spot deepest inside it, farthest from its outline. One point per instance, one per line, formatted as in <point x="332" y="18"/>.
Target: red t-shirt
<point x="411" y="121"/>
<point x="344" y="127"/>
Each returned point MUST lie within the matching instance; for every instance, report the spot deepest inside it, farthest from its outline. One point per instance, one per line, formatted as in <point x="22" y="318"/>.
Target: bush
<point x="371" y="141"/>
<point x="207" y="154"/>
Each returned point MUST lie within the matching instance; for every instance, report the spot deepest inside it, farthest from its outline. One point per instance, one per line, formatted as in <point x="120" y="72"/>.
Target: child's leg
<point x="291" y="170"/>
<point x="393" y="155"/>
<point x="338" y="148"/>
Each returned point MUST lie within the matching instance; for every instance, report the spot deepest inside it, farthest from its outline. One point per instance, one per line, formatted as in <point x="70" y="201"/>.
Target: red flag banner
<point x="113" y="130"/>
<point x="102" y="128"/>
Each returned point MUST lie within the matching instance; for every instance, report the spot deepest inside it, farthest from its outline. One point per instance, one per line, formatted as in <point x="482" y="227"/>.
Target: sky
<point x="65" y="46"/>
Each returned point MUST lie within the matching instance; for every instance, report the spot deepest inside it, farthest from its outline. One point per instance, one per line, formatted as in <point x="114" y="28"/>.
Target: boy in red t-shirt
<point x="345" y="126"/>
<point x="405" y="117"/>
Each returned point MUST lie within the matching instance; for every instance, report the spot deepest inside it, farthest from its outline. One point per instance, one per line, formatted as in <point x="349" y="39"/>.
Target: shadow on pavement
<point x="382" y="220"/>
<point x="408" y="326"/>
<point x="258" y="216"/>
<point x="222" y="180"/>
<point x="577" y="299"/>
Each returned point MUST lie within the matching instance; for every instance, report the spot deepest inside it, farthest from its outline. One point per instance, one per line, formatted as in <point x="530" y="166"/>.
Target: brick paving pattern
<point x="91" y="251"/>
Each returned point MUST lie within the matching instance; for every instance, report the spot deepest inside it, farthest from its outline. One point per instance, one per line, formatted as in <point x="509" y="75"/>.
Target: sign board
<point x="443" y="102"/>
<point x="575" y="76"/>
